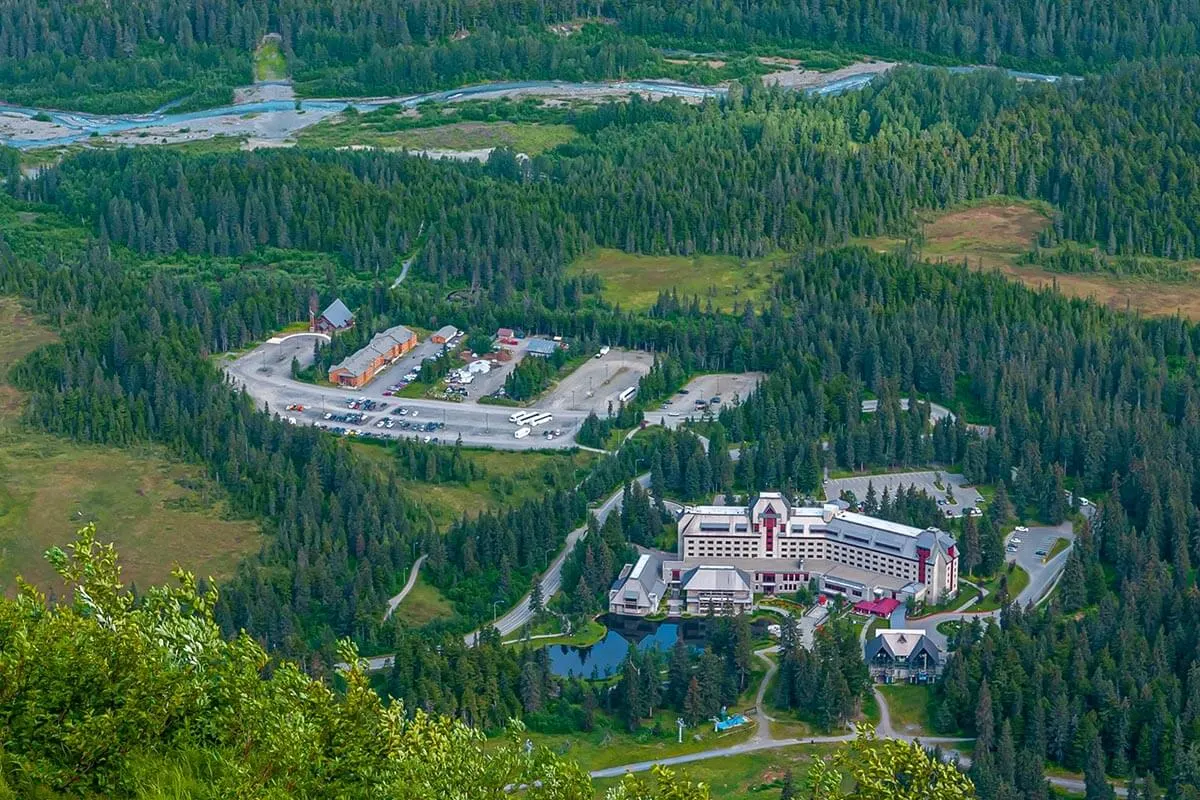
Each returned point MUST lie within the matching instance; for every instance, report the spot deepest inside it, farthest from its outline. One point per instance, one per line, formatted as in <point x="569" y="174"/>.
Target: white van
<point x="521" y="433"/>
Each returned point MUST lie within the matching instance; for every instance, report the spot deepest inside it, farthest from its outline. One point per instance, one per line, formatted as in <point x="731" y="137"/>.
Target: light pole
<point x="679" y="722"/>
<point x="494" y="604"/>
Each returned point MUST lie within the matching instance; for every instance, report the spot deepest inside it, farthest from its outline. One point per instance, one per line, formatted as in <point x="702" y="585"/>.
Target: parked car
<point x="1040" y="553"/>
<point x="1021" y="529"/>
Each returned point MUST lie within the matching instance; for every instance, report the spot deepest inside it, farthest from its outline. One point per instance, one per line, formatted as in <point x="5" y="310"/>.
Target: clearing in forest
<point x="635" y="281"/>
<point x="993" y="236"/>
<point x="269" y="61"/>
<point x="424" y="604"/>
<point x="989" y="236"/>
<point x="159" y="512"/>
<point x="356" y="130"/>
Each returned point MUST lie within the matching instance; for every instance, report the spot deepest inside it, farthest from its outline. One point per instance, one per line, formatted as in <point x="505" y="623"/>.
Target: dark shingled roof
<point x="337" y="314"/>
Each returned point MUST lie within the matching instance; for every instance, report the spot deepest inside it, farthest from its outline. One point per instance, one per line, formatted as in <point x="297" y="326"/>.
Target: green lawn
<point x="531" y="138"/>
<point x="509" y="478"/>
<point x="909" y="707"/>
<point x="1060" y="544"/>
<point x="950" y="627"/>
<point x="1018" y="579"/>
<point x="586" y="636"/>
<point x="749" y="776"/>
<point x="424" y="604"/>
<point x="965" y="593"/>
<point x="269" y="61"/>
<point x="610" y="745"/>
<point x="634" y="281"/>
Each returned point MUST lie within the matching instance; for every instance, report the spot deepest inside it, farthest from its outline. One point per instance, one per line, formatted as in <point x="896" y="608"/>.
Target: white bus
<point x="540" y="419"/>
<point x="520" y="417"/>
<point x="520" y="433"/>
<point x="625" y="396"/>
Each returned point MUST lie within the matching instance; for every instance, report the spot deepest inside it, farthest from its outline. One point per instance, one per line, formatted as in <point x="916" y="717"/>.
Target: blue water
<point x="606" y="656"/>
<point x="83" y="125"/>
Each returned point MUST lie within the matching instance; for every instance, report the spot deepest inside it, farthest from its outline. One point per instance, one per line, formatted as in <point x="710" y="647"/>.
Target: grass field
<point x="610" y="745"/>
<point x="909" y="707"/>
<point x="1060" y="544"/>
<point x="269" y="61"/>
<point x="424" y="604"/>
<point x="749" y="776"/>
<point x="509" y="478"/>
<point x="586" y="636"/>
<point x="993" y="236"/>
<point x="634" y="281"/>
<point x="524" y="137"/>
<point x="159" y="512"/>
<point x="1018" y="579"/>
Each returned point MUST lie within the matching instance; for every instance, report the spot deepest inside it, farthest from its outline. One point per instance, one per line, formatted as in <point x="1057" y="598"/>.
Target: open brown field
<point x="993" y="237"/>
<point x="159" y="511"/>
<point x="634" y="281"/>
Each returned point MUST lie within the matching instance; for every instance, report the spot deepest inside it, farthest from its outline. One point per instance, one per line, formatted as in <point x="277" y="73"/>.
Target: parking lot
<point x="728" y="386"/>
<point x="1031" y="549"/>
<point x="265" y="372"/>
<point x="598" y="382"/>
<point x="952" y="485"/>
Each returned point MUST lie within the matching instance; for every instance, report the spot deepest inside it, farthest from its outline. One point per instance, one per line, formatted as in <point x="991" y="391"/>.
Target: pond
<point x="604" y="658"/>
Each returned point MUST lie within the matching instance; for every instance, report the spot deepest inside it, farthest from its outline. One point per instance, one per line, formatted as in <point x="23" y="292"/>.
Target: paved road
<point x="403" y="271"/>
<point x="1042" y="578"/>
<point x="412" y="580"/>
<point x="551" y="581"/>
<point x="763" y="739"/>
<point x="936" y="413"/>
<point x="265" y="373"/>
<point x="924" y="480"/>
<point x="408" y="262"/>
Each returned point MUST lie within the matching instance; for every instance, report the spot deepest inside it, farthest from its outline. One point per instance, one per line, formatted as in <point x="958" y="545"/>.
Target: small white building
<point x="638" y="590"/>
<point x="903" y="654"/>
<point x="716" y="588"/>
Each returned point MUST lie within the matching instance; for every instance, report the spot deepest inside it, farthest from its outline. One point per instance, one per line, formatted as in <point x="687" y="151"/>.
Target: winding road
<point x="551" y="581"/>
<point x="763" y="739"/>
<point x="412" y="580"/>
<point x="521" y="613"/>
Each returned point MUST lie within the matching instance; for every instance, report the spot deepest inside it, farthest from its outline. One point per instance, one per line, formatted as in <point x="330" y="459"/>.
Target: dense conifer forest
<point x="134" y="55"/>
<point x="1103" y="679"/>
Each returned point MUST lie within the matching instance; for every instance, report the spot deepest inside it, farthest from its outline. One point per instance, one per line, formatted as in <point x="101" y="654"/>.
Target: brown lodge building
<point x="358" y="369"/>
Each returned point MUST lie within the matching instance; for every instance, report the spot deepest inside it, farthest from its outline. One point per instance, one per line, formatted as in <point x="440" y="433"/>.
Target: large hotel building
<point x="728" y="554"/>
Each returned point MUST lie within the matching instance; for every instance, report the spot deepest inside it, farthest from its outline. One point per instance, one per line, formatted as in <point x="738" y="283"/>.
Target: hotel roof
<point x="714" y="578"/>
<point x="380" y="345"/>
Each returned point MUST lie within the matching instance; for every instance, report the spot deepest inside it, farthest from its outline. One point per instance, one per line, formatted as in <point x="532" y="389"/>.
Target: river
<point x="272" y="121"/>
